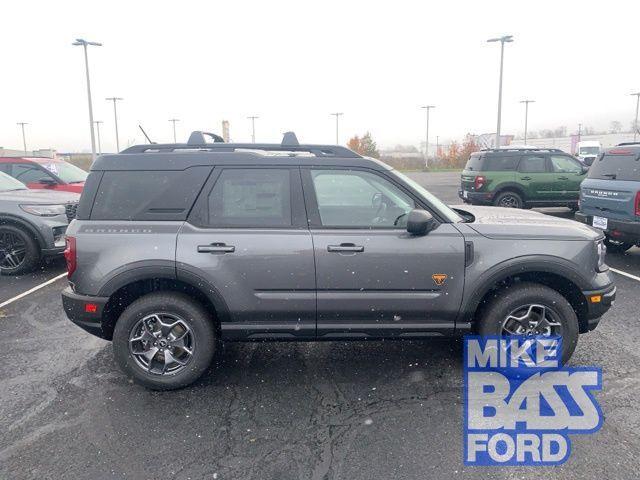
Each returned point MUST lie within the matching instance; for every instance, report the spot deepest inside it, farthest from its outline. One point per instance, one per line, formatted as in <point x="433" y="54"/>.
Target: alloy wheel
<point x="509" y="201"/>
<point x="532" y="319"/>
<point x="13" y="250"/>
<point x="162" y="343"/>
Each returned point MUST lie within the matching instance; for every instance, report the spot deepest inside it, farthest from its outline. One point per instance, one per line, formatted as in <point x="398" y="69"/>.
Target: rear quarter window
<point x="500" y="164"/>
<point x="616" y="167"/>
<point x="474" y="163"/>
<point x="148" y="195"/>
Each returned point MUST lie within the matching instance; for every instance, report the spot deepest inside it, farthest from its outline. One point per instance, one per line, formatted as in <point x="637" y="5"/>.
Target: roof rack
<point x="289" y="146"/>
<point x="521" y="149"/>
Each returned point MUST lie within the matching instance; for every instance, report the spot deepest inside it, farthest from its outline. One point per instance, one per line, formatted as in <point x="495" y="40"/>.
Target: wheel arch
<point x="510" y="187"/>
<point x="9" y="219"/>
<point x="553" y="272"/>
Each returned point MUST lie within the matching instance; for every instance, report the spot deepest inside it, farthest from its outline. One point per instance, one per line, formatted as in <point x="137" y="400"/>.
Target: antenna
<point x="145" y="134"/>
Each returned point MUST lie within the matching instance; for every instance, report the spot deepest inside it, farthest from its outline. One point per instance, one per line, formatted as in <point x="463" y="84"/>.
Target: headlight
<point x="602" y="252"/>
<point x="44" y="210"/>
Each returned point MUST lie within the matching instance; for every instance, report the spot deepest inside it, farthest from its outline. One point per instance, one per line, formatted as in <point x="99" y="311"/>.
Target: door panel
<point x="388" y="288"/>
<point x="535" y="178"/>
<point x="568" y="176"/>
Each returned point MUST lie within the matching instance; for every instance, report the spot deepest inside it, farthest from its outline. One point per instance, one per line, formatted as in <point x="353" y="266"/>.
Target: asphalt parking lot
<point x="335" y="410"/>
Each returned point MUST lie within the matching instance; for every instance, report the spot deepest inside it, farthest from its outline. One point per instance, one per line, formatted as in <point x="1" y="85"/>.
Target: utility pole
<point x="437" y="146"/>
<point x="253" y="127"/>
<point x="579" y="132"/>
<point x="635" y="123"/>
<point x="98" y="122"/>
<point x="85" y="44"/>
<point x="174" y="120"/>
<point x="426" y="140"/>
<point x="115" y="117"/>
<point x="504" y="39"/>
<point x="337" y="115"/>
<point x="24" y="139"/>
<point x="526" y="117"/>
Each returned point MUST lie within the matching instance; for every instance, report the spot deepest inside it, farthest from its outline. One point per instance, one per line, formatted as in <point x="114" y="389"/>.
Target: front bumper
<point x="476" y="198"/>
<point x="616" y="229"/>
<point x="598" y="303"/>
<point x="85" y="311"/>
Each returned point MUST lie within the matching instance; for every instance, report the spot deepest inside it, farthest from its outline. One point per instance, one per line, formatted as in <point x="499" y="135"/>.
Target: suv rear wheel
<point x="531" y="309"/>
<point x="19" y="251"/>
<point x="508" y="199"/>
<point x="616" y="246"/>
<point x="164" y="340"/>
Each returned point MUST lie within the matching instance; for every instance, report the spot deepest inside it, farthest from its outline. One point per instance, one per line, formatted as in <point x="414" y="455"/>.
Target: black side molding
<point x="468" y="253"/>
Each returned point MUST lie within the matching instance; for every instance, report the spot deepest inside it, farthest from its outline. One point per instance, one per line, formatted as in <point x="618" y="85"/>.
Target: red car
<point x="49" y="173"/>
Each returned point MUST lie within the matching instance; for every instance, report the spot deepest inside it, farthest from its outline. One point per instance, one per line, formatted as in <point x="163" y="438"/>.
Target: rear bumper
<point x="617" y="229"/>
<point x="476" y="198"/>
<point x="85" y="311"/>
<point x="598" y="303"/>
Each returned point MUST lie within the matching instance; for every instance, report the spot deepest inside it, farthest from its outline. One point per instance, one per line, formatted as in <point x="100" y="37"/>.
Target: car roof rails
<point x="627" y="144"/>
<point x="522" y="149"/>
<point x="289" y="146"/>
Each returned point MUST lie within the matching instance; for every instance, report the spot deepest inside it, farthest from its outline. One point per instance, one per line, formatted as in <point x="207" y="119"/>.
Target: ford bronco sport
<point x="522" y="177"/>
<point x="176" y="246"/>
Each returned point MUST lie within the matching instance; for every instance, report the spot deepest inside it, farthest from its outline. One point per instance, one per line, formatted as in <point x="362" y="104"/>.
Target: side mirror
<point x="49" y="182"/>
<point x="420" y="222"/>
<point x="589" y="161"/>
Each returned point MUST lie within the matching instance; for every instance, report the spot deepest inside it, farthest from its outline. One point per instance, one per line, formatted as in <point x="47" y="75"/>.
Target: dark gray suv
<point x="32" y="224"/>
<point x="177" y="246"/>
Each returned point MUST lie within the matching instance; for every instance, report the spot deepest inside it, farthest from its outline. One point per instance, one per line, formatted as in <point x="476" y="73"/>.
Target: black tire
<point x="12" y="240"/>
<point x="178" y="305"/>
<point x="510" y="299"/>
<point x="508" y="199"/>
<point x="615" y="246"/>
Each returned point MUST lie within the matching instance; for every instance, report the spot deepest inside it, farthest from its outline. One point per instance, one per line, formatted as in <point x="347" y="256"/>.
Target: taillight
<point x="70" y="255"/>
<point x="637" y="204"/>
<point x="479" y="182"/>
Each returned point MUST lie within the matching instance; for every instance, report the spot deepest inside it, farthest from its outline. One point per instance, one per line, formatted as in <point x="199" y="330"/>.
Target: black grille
<point x="70" y="210"/>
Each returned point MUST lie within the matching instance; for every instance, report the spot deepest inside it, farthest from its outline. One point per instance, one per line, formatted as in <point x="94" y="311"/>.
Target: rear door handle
<point x="345" y="247"/>
<point x="563" y="178"/>
<point x="525" y="178"/>
<point x="216" y="248"/>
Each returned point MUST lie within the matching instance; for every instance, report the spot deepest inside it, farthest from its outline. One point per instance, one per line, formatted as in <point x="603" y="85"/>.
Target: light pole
<point x="635" y="123"/>
<point x="526" y="117"/>
<point x="115" y="116"/>
<point x="98" y="122"/>
<point x="24" y="139"/>
<point x="504" y="39"/>
<point x="85" y="44"/>
<point x="253" y="127"/>
<point x="337" y="115"/>
<point x="174" y="120"/>
<point x="426" y="142"/>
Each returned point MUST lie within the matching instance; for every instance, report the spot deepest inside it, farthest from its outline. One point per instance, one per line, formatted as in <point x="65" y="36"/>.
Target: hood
<point x="506" y="223"/>
<point x="39" y="196"/>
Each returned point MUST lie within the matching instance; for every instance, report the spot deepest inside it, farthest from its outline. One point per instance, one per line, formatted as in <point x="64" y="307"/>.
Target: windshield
<point x="589" y="150"/>
<point x="8" y="183"/>
<point x="67" y="172"/>
<point x="434" y="201"/>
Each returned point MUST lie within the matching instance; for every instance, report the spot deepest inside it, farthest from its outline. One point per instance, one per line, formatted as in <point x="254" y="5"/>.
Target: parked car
<point x="176" y="246"/>
<point x="522" y="177"/>
<point x="45" y="173"/>
<point x="588" y="151"/>
<point x="32" y="224"/>
<point x="610" y="196"/>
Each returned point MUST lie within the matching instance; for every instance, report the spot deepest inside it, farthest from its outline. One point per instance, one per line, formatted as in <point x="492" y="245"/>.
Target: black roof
<point x="178" y="156"/>
<point x="519" y="150"/>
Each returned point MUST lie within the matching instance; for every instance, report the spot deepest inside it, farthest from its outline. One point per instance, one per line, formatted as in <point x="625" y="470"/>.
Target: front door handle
<point x="563" y="178"/>
<point x="525" y="178"/>
<point x="216" y="248"/>
<point x="345" y="247"/>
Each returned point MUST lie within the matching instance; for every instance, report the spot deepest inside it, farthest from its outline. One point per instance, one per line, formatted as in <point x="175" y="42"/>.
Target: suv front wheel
<point x="164" y="340"/>
<point x="531" y="309"/>
<point x="19" y="251"/>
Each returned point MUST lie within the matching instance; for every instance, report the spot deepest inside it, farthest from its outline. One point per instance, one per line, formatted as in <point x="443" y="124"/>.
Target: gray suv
<point x="177" y="246"/>
<point x="32" y="224"/>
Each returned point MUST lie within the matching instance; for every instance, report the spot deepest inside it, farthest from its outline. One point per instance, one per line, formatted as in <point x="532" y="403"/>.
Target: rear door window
<point x="500" y="164"/>
<point x="532" y="164"/>
<point x="564" y="164"/>
<point x="616" y="167"/>
<point x="30" y="173"/>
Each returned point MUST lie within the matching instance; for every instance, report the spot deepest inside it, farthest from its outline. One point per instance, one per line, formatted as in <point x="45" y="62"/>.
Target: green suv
<point x="522" y="177"/>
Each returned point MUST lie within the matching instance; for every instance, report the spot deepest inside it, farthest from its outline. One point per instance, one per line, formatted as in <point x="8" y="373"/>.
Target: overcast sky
<point x="293" y="63"/>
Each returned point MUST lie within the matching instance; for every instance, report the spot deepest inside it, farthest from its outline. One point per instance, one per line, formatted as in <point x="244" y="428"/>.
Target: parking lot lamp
<point x="174" y="120"/>
<point x="337" y="115"/>
<point x="426" y="140"/>
<point x="115" y="115"/>
<point x="504" y="39"/>
<point x="98" y="122"/>
<point x="24" y="138"/>
<point x="85" y="44"/>
<point x="526" y="117"/>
